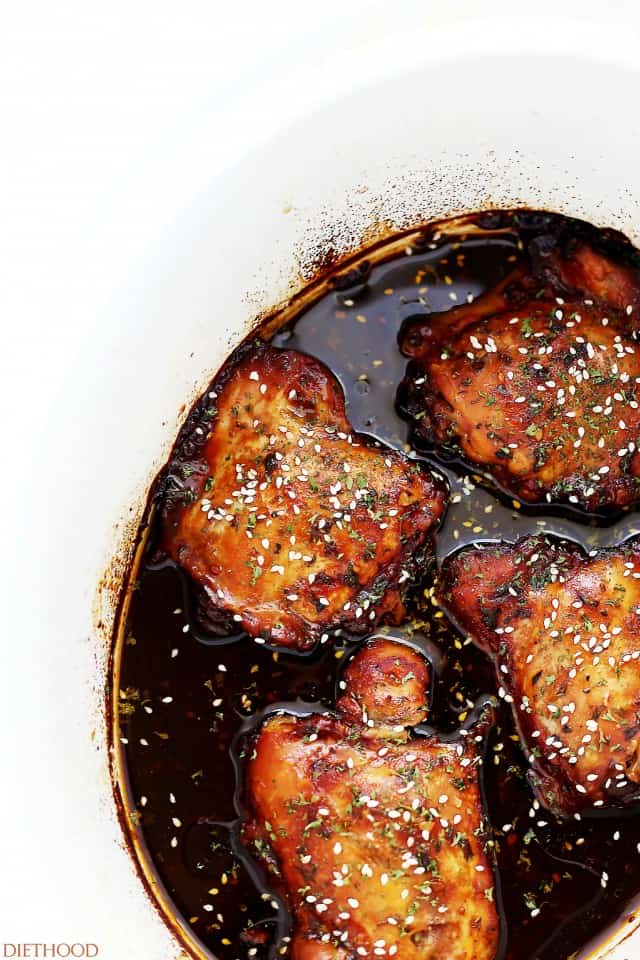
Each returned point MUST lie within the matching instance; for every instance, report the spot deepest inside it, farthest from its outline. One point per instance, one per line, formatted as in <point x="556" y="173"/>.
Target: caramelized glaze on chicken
<point x="537" y="381"/>
<point x="563" y="631"/>
<point x="293" y="524"/>
<point x="375" y="837"/>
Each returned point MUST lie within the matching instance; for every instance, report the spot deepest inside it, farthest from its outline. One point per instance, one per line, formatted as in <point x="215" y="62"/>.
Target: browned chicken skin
<point x="375" y="836"/>
<point x="563" y="631"/>
<point x="537" y="381"/>
<point x="292" y="523"/>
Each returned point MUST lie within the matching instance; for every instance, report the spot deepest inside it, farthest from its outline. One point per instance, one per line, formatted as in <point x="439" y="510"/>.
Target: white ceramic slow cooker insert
<point x="421" y="125"/>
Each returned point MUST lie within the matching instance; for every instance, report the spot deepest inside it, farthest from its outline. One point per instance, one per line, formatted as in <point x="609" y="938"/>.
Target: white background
<point x="114" y="117"/>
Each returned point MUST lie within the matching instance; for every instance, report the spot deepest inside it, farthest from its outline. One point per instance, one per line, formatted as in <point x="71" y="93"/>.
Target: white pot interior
<point x="454" y="133"/>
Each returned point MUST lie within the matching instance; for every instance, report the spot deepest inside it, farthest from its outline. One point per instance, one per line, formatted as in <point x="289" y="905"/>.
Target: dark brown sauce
<point x="186" y="698"/>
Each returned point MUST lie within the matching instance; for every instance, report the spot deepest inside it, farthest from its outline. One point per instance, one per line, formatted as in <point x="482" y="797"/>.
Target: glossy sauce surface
<point x="187" y="700"/>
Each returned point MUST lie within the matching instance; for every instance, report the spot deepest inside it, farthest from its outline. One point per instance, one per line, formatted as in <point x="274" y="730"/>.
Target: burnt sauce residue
<point x="187" y="699"/>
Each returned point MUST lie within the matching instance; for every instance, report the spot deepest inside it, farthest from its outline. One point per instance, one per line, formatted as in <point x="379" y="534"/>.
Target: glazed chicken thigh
<point x="537" y="381"/>
<point x="293" y="524"/>
<point x="563" y="631"/>
<point x="375" y="836"/>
